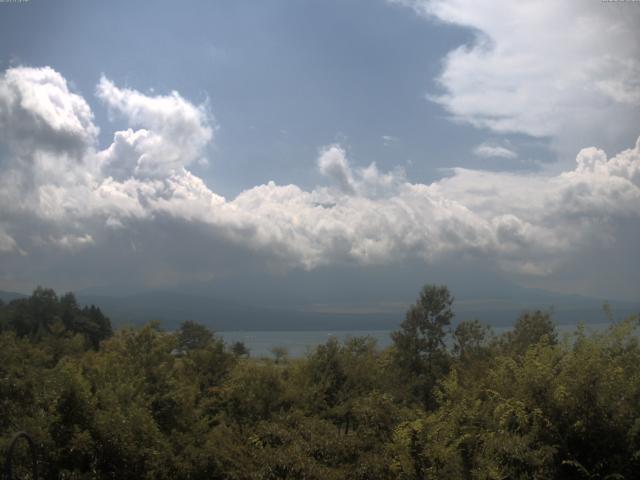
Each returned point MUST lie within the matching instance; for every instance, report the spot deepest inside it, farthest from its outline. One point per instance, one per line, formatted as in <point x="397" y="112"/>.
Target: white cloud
<point x="565" y="70"/>
<point x="488" y="150"/>
<point x="49" y="136"/>
<point x="367" y="181"/>
<point x="333" y="164"/>
<point x="172" y="134"/>
<point x="38" y="112"/>
<point x="154" y="215"/>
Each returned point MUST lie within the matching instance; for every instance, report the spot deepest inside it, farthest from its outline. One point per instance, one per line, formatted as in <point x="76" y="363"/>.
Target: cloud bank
<point x="134" y="208"/>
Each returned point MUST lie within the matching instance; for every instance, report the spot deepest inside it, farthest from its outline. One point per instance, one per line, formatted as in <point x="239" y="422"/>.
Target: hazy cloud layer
<point x="565" y="70"/>
<point x="135" y="210"/>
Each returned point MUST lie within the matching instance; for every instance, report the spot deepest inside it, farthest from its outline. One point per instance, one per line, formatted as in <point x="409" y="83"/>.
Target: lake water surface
<point x="298" y="343"/>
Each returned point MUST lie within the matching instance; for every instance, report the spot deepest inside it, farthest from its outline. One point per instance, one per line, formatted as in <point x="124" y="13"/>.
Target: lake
<point x="298" y="343"/>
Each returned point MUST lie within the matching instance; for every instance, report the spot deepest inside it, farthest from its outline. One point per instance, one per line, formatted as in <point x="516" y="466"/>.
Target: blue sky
<point x="444" y="134"/>
<point x="283" y="78"/>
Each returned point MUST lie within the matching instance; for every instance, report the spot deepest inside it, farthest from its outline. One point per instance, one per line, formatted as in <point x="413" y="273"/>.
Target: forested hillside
<point x="446" y="401"/>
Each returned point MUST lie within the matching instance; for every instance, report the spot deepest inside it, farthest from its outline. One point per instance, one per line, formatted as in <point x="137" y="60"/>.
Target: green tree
<point x="469" y="337"/>
<point x="280" y="354"/>
<point x="239" y="349"/>
<point x="419" y="344"/>
<point x="192" y="335"/>
<point x="530" y="329"/>
<point x="41" y="315"/>
<point x="253" y="392"/>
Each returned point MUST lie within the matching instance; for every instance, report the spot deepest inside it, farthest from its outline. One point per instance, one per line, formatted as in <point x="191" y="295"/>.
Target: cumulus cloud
<point x="565" y="70"/>
<point x="333" y="164"/>
<point x="368" y="181"/>
<point x="172" y="132"/>
<point x="488" y="150"/>
<point x="39" y="113"/>
<point x="139" y="206"/>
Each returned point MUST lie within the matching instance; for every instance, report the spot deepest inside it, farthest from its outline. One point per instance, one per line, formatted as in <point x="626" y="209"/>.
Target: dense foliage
<point x="442" y="402"/>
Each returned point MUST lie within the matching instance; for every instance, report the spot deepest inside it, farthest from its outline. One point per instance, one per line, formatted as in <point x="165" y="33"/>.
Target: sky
<point x="344" y="150"/>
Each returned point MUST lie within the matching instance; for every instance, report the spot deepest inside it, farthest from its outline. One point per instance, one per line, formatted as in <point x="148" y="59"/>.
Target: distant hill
<point x="6" y="297"/>
<point x="173" y="308"/>
<point x="223" y="315"/>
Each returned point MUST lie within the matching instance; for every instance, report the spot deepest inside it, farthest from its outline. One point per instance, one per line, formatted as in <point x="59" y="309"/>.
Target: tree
<point x="530" y="329"/>
<point x="280" y="354"/>
<point x="95" y="326"/>
<point x="419" y="344"/>
<point x="239" y="349"/>
<point x="193" y="336"/>
<point x="251" y="393"/>
<point x="31" y="317"/>
<point x="38" y="316"/>
<point x="469" y="337"/>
